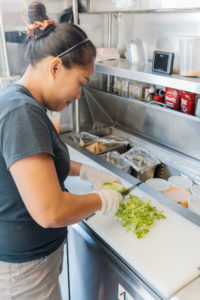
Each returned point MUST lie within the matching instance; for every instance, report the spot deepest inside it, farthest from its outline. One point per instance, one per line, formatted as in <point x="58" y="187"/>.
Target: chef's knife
<point x="127" y="191"/>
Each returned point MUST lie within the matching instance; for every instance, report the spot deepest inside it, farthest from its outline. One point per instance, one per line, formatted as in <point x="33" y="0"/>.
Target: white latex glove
<point x="110" y="201"/>
<point x="97" y="177"/>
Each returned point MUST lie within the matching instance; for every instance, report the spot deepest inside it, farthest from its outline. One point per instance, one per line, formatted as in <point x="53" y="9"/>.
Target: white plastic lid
<point x="195" y="190"/>
<point x="194" y="203"/>
<point x="158" y="184"/>
<point x="151" y="89"/>
<point x="180" y="182"/>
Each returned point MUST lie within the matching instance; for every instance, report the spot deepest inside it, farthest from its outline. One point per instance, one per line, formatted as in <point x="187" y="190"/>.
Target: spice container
<point x="124" y="88"/>
<point x="187" y="102"/>
<point x="180" y="182"/>
<point x="158" y="184"/>
<point x="117" y="86"/>
<point x="135" y="90"/>
<point x="146" y="93"/>
<point x="172" y="98"/>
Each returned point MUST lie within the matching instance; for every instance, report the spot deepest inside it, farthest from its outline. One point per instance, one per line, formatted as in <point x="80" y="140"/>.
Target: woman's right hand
<point x="110" y="201"/>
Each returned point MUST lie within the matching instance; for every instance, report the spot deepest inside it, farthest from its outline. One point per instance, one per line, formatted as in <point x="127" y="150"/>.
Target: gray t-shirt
<point x="25" y="130"/>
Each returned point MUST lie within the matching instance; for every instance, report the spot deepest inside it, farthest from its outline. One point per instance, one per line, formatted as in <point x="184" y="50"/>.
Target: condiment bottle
<point x="124" y="88"/>
<point x="117" y="86"/>
<point x="151" y="94"/>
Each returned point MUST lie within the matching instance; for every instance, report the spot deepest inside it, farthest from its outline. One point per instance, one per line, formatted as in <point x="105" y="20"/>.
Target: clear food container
<point x="194" y="204"/>
<point x="158" y="184"/>
<point x="180" y="182"/>
<point x="195" y="189"/>
<point x="117" y="160"/>
<point x="179" y="195"/>
<point x="189" y="56"/>
<point x="143" y="163"/>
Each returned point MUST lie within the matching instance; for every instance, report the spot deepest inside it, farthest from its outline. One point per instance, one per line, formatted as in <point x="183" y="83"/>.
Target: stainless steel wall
<point x="164" y="126"/>
<point x="13" y="16"/>
<point x="159" y="30"/>
<point x="105" y="5"/>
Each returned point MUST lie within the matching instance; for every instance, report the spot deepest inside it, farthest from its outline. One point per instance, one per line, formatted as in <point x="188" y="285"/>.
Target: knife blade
<point x="127" y="191"/>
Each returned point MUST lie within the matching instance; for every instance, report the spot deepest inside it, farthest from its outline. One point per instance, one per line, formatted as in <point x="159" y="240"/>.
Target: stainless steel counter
<point x="98" y="277"/>
<point x="132" y="180"/>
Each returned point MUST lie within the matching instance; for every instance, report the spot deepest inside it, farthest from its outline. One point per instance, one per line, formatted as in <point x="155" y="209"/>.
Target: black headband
<point x="72" y="48"/>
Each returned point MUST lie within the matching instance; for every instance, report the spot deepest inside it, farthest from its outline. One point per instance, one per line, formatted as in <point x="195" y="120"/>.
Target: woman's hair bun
<point x="36" y="12"/>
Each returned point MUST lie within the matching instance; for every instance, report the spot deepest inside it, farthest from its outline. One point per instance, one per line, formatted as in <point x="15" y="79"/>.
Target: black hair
<point x="55" y="39"/>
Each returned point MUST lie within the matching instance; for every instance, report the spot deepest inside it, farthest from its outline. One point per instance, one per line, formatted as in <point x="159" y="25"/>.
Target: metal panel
<point x="105" y="5"/>
<point x="173" y="129"/>
<point x="160" y="31"/>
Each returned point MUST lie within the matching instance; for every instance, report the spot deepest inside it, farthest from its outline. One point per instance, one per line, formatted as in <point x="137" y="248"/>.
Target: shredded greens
<point x="135" y="214"/>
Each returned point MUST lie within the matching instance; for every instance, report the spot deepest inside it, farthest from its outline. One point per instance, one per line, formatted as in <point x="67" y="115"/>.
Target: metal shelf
<point x="142" y="11"/>
<point x="122" y="68"/>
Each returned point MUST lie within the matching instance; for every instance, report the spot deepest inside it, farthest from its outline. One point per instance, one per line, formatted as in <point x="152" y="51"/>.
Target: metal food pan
<point x="120" y="148"/>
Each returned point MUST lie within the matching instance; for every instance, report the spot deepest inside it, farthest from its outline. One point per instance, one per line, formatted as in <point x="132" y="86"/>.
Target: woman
<point x="35" y="208"/>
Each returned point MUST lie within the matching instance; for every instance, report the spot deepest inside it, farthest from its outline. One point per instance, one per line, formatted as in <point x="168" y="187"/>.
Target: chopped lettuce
<point x="114" y="186"/>
<point x="136" y="215"/>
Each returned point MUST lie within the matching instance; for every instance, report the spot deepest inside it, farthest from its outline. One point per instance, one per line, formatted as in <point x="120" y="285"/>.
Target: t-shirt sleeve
<point x="24" y="132"/>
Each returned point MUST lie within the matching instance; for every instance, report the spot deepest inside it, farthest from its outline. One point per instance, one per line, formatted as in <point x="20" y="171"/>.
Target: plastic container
<point x="195" y="190"/>
<point x="158" y="184"/>
<point x="194" y="204"/>
<point x="189" y="56"/>
<point x="179" y="195"/>
<point x="117" y="160"/>
<point x="137" y="52"/>
<point x="180" y="182"/>
<point x="143" y="163"/>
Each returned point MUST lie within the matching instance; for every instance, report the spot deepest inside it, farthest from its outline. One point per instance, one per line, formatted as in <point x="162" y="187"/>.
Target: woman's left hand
<point x="97" y="177"/>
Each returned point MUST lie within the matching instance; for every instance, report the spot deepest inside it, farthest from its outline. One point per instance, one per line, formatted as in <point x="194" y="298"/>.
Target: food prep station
<point x="106" y="262"/>
<point x="133" y="139"/>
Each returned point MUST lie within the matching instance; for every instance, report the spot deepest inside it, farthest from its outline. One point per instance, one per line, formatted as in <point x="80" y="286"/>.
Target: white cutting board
<point x="168" y="257"/>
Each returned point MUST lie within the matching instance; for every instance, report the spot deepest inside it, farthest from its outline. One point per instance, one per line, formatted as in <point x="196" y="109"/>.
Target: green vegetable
<point x="114" y="186"/>
<point x="135" y="214"/>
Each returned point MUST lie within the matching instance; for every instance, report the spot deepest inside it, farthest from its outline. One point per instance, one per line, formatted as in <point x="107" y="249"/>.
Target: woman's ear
<point x="55" y="66"/>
